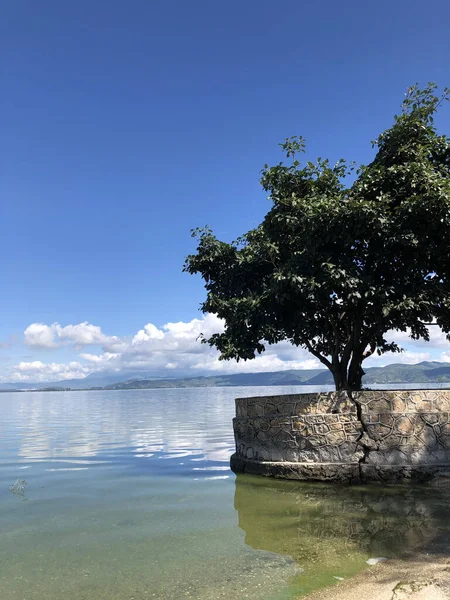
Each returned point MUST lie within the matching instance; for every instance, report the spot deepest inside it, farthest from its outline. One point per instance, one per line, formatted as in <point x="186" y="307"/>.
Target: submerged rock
<point x="375" y="561"/>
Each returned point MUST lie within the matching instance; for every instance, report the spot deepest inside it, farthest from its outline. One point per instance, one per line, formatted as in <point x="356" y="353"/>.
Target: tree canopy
<point x="335" y="266"/>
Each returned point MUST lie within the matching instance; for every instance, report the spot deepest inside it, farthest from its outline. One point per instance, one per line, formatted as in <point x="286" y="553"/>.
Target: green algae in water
<point x="330" y="531"/>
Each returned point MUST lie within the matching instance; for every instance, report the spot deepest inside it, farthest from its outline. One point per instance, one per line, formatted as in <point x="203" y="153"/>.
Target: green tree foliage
<point x="333" y="267"/>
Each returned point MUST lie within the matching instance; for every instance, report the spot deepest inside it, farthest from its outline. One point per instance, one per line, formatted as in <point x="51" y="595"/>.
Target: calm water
<point x="129" y="496"/>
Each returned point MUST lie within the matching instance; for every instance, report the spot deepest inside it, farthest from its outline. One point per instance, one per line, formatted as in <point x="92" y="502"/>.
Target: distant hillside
<point x="424" y="372"/>
<point x="300" y="377"/>
<point x="95" y="380"/>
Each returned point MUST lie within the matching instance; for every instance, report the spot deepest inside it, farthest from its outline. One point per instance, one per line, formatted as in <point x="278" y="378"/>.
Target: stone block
<point x="424" y="406"/>
<point x="378" y="431"/>
<point x="335" y="438"/>
<point x="317" y="440"/>
<point x="351" y="427"/>
<point x="442" y="402"/>
<point x="430" y="418"/>
<point x="262" y="454"/>
<point x="427" y="437"/>
<point x="387" y="419"/>
<point x="332" y="418"/>
<point x="403" y="425"/>
<point x="398" y="404"/>
<point x="444" y="418"/>
<point x="321" y="428"/>
<point x="379" y="405"/>
<point x="336" y="427"/>
<point x="347" y="418"/>
<point x="330" y="454"/>
<point x="351" y="452"/>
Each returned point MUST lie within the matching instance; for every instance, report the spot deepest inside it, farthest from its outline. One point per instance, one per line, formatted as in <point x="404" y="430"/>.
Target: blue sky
<point x="125" y="124"/>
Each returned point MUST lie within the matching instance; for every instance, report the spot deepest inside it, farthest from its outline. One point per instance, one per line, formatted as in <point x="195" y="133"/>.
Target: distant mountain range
<point x="424" y="372"/>
<point x="95" y="380"/>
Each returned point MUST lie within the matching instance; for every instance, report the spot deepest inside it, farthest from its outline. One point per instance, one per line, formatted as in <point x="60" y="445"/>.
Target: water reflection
<point x="330" y="531"/>
<point x="167" y="424"/>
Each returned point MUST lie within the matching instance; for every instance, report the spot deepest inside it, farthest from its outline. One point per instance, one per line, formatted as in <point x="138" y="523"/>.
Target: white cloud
<point x="150" y="332"/>
<point x="266" y="362"/>
<point x="100" y="359"/>
<point x="39" y="335"/>
<point x="174" y="349"/>
<point x="83" y="334"/>
<point x="39" y="371"/>
<point x="194" y="328"/>
<point x="438" y="338"/>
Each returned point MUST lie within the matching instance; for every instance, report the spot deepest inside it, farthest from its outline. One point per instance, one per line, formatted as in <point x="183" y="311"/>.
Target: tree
<point x="334" y="267"/>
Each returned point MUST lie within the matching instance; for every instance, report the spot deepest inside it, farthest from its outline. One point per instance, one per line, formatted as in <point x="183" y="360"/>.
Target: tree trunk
<point x="355" y="372"/>
<point x="355" y="379"/>
<point x="340" y="378"/>
<point x="350" y="381"/>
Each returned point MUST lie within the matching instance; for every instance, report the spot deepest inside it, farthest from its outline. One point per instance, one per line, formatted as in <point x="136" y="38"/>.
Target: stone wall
<point x="378" y="435"/>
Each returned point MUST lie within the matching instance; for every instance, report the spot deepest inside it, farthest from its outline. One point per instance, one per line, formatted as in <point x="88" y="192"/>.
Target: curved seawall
<point x="376" y="435"/>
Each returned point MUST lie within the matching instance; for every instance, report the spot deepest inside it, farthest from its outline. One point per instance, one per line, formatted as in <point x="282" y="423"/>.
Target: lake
<point x="127" y="495"/>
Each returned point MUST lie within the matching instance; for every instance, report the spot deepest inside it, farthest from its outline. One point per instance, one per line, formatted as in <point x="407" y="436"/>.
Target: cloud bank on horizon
<point x="174" y="350"/>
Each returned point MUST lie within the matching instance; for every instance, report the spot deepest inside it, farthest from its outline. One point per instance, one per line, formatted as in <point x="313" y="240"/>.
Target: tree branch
<point x="369" y="352"/>
<point x="347" y="353"/>
<point x="322" y="359"/>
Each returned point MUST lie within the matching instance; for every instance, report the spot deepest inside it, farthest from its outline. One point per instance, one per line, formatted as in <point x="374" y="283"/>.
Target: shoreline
<point x="421" y="574"/>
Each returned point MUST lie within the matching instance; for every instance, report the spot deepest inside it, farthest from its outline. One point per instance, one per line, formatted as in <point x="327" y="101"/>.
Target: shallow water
<point x="128" y="496"/>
